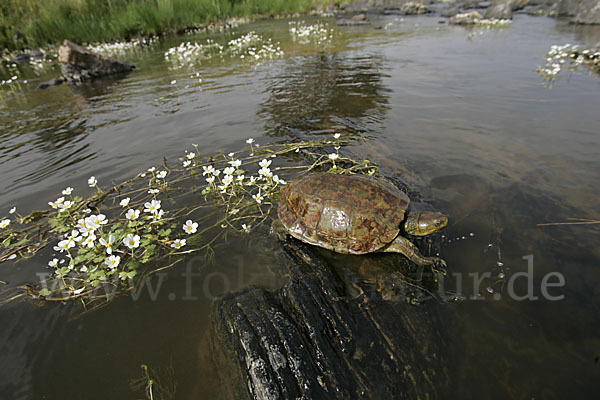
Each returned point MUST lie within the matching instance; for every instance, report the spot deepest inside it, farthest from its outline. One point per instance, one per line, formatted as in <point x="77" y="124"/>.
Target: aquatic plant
<point x="121" y="47"/>
<point x="571" y="57"/>
<point x="318" y="33"/>
<point x="250" y="46"/>
<point x="105" y="242"/>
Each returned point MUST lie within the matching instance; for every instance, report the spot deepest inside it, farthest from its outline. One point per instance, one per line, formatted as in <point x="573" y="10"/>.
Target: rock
<point x="501" y="10"/>
<point x="587" y="12"/>
<point x="51" y="82"/>
<point x="352" y="21"/>
<point x="466" y="18"/>
<point x="414" y="8"/>
<point x="312" y="339"/>
<point x="78" y="64"/>
<point x="451" y="12"/>
<point x="359" y="17"/>
<point x="27" y="56"/>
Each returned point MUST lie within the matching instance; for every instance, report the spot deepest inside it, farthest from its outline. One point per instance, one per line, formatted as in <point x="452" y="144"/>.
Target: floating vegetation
<point x="106" y="243"/>
<point x="493" y="22"/>
<point x="157" y="384"/>
<point x="570" y="57"/>
<point x="121" y="48"/>
<point x="318" y="33"/>
<point x="250" y="46"/>
<point x="573" y="221"/>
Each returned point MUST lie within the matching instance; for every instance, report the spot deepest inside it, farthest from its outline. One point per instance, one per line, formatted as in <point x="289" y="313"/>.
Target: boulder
<point x="414" y="8"/>
<point x="587" y="12"/>
<point x="501" y="10"/>
<point x="466" y="18"/>
<point x="451" y="12"/>
<point x="315" y="339"/>
<point x="79" y="64"/>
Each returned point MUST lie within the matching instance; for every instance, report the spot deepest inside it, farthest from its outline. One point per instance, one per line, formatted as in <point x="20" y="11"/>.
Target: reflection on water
<point x="313" y="93"/>
<point x="463" y="119"/>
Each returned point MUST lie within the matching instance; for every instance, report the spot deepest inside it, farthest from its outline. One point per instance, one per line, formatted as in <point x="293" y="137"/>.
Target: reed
<point x="33" y="23"/>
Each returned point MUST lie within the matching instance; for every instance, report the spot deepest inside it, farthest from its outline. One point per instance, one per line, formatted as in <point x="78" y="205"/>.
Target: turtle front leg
<point x="405" y="247"/>
<point x="279" y="230"/>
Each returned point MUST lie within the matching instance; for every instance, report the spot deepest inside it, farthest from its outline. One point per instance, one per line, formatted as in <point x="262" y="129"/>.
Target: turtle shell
<point x="350" y="214"/>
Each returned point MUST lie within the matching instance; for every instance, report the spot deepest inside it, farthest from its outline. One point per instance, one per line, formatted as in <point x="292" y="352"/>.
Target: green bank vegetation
<point x="35" y="23"/>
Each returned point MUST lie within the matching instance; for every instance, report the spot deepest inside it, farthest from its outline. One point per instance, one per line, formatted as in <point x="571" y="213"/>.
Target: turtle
<point x="355" y="214"/>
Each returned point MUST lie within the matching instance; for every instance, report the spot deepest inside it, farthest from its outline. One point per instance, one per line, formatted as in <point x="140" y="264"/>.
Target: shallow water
<point x="460" y="115"/>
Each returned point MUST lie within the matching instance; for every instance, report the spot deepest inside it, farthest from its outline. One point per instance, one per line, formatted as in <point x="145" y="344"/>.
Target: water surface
<point x="460" y="115"/>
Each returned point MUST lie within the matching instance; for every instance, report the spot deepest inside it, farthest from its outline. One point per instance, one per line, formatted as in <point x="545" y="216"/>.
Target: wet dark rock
<point x="78" y="64"/>
<point x="52" y="82"/>
<point x="312" y="340"/>
<point x="359" y="19"/>
<point x="466" y="18"/>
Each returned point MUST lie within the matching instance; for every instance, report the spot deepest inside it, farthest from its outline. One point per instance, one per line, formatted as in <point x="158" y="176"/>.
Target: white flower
<point x="246" y="228"/>
<point x="231" y="154"/>
<point x="78" y="291"/>
<point x="89" y="241"/>
<point x="210" y="179"/>
<point x="4" y="223"/>
<point x="208" y="170"/>
<point x="157" y="215"/>
<point x="258" y="198"/>
<point x="227" y="179"/>
<point x="132" y="214"/>
<point x="64" y="245"/>
<point x="108" y="244"/>
<point x="187" y="163"/>
<point x="161" y="174"/>
<point x="277" y="180"/>
<point x="337" y="136"/>
<point x="83" y="269"/>
<point x="222" y="188"/>
<point x="265" y="163"/>
<point x="333" y="156"/>
<point x="132" y="241"/>
<point x="151" y="169"/>
<point x="152" y="207"/>
<point x="264" y="171"/>
<point x="53" y="263"/>
<point x="240" y="179"/>
<point x="217" y="172"/>
<point x="190" y="155"/>
<point x="229" y="171"/>
<point x="92" y="181"/>
<point x="75" y="236"/>
<point x="251" y="181"/>
<point x="153" y="191"/>
<point x="112" y="262"/>
<point x="178" y="243"/>
<point x="96" y="221"/>
<point x="125" y="202"/>
<point x="12" y="210"/>
<point x="53" y="204"/>
<point x="190" y="227"/>
<point x="67" y="191"/>
<point x="250" y="141"/>
<point x="174" y="81"/>
<point x="234" y="211"/>
<point x="236" y="163"/>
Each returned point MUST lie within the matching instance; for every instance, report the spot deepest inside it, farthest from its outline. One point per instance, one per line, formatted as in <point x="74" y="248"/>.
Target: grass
<point x="35" y="23"/>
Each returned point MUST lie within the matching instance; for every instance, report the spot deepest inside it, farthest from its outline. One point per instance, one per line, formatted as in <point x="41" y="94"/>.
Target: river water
<point x="459" y="114"/>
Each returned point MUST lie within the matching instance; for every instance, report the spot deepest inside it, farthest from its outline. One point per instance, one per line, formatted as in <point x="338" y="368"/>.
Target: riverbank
<point x="34" y="24"/>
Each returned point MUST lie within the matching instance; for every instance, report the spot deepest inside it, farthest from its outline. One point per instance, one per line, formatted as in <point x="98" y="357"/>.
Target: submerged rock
<point x="79" y="64"/>
<point x="52" y="82"/>
<point x="502" y="10"/>
<point x="313" y="340"/>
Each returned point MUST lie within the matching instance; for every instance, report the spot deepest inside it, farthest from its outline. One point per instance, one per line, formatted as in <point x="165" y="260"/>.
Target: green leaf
<point x="44" y="292"/>
<point x="206" y="190"/>
<point x="164" y="232"/>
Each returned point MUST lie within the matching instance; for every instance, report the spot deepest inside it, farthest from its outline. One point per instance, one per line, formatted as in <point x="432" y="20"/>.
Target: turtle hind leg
<point x="405" y="247"/>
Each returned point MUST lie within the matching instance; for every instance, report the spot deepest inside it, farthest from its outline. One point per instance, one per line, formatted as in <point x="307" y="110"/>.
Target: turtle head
<point x="423" y="223"/>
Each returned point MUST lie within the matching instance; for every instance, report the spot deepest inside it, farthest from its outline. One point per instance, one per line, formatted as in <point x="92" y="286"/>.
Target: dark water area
<point x="459" y="115"/>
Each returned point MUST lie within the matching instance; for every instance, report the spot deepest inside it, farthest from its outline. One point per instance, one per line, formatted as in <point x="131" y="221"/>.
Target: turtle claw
<point x="437" y="264"/>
